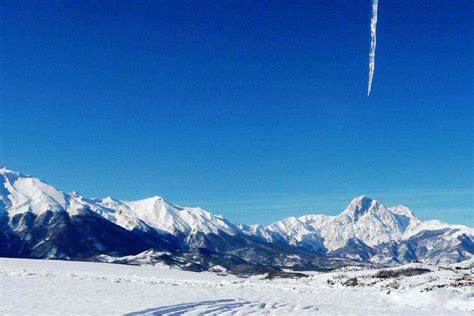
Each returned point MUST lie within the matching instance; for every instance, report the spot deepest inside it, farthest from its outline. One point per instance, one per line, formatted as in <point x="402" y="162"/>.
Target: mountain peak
<point x="109" y="199"/>
<point x="152" y="203"/>
<point x="74" y="194"/>
<point x="28" y="194"/>
<point x="154" y="199"/>
<point x="361" y="199"/>
<point x="5" y="171"/>
<point x="360" y="206"/>
<point x="402" y="210"/>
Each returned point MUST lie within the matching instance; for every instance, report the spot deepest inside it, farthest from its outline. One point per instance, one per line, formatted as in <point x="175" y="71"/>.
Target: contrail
<point x="373" y="43"/>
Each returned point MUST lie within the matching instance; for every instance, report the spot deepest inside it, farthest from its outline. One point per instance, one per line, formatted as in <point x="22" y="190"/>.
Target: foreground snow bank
<point x="60" y="287"/>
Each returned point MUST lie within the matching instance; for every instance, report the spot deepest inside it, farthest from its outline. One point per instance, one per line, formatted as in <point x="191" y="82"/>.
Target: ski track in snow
<point x="59" y="287"/>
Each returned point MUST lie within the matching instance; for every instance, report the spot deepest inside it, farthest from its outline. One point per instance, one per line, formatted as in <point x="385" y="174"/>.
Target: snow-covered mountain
<point x="21" y="194"/>
<point x="161" y="215"/>
<point x="37" y="220"/>
<point x="367" y="225"/>
<point x="364" y="219"/>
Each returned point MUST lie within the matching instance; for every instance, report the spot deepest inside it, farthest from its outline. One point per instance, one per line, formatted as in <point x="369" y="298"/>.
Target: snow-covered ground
<point x="60" y="287"/>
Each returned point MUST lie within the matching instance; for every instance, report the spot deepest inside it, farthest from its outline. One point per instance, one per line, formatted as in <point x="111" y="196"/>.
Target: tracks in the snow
<point x="220" y="307"/>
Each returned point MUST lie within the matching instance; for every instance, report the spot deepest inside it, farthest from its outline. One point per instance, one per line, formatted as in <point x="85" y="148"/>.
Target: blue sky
<point x="255" y="110"/>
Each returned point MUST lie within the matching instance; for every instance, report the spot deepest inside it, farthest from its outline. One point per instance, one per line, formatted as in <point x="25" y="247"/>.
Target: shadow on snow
<point x="211" y="307"/>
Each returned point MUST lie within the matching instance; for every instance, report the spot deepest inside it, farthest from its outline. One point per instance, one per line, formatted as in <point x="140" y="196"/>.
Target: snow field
<point x="61" y="287"/>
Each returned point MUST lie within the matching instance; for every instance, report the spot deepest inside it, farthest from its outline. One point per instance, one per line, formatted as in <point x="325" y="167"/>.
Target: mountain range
<point x="39" y="221"/>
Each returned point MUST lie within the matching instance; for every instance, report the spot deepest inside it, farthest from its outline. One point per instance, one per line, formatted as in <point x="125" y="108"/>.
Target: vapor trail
<point x="373" y="43"/>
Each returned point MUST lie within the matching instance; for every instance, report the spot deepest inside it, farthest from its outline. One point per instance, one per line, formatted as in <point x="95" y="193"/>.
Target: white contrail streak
<point x="373" y="43"/>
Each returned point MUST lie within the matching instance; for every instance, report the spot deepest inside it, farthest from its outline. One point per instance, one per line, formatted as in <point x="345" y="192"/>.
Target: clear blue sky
<point x="254" y="110"/>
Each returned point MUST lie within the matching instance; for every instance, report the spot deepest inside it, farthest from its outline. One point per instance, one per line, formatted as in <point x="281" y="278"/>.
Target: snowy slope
<point x="158" y="213"/>
<point x="20" y="193"/>
<point x="59" y="288"/>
